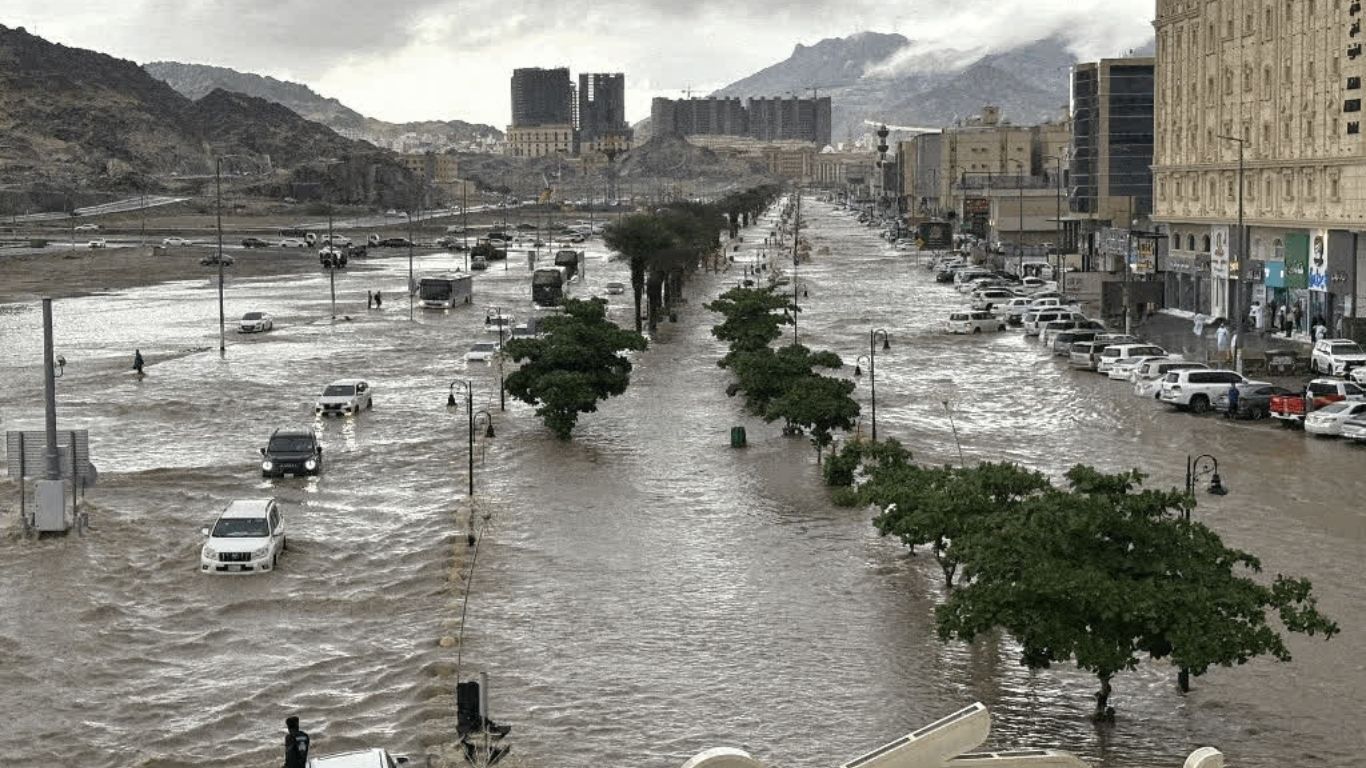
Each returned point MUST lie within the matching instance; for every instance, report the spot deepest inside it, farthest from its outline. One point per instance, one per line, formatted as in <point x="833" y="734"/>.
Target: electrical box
<point x="49" y="516"/>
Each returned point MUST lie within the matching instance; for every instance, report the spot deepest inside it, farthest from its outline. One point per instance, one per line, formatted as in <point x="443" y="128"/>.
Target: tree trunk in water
<point x="652" y="296"/>
<point x="1183" y="680"/>
<point x="1104" y="712"/>
<point x="637" y="286"/>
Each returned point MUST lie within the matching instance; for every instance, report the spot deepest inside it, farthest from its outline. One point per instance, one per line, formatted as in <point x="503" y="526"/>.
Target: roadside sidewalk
<point x="1174" y="330"/>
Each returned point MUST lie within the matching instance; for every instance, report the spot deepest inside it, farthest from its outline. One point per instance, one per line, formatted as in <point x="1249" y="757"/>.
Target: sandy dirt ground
<point x="62" y="273"/>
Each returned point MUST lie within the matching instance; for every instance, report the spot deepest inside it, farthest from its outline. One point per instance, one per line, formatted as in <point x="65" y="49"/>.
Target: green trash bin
<point x="737" y="437"/>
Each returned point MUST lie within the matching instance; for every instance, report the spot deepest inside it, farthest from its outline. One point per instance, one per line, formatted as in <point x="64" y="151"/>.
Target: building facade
<point x="1283" y="82"/>
<point x="699" y="116"/>
<point x="542" y="97"/>
<point x="541" y="141"/>
<point x="433" y="167"/>
<point x="1112" y="150"/>
<point x="764" y="119"/>
<point x="792" y="119"/>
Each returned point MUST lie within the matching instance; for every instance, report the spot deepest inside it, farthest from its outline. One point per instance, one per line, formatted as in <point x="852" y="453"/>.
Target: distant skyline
<point x="449" y="59"/>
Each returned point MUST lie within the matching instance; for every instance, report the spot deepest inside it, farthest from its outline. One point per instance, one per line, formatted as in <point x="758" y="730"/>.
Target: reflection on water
<point x="645" y="591"/>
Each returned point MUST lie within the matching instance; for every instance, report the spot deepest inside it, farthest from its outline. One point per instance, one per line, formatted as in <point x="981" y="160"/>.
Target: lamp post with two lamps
<point x="871" y="358"/>
<point x="491" y="314"/>
<point x="468" y="388"/>
<point x="1199" y="468"/>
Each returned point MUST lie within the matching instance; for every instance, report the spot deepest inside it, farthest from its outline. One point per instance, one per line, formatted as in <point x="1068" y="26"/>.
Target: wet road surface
<point x="644" y="592"/>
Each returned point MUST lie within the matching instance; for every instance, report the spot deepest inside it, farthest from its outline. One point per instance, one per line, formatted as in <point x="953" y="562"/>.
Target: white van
<point x="975" y="322"/>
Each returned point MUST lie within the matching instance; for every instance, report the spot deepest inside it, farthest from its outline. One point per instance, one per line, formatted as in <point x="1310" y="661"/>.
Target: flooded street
<point x="642" y="593"/>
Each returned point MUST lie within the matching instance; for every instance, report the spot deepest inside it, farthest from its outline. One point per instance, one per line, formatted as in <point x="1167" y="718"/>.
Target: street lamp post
<point x="473" y="416"/>
<point x="871" y="357"/>
<point x="1237" y="311"/>
<point x="218" y="195"/>
<point x="409" y="216"/>
<point x="1197" y="469"/>
<point x="1057" y="218"/>
<point x="1019" y="234"/>
<point x="489" y="315"/>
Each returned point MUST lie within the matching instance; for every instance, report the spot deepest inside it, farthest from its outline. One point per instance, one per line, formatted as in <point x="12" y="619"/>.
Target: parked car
<point x="616" y="289"/>
<point x="1354" y="429"/>
<point x="1289" y="409"/>
<point x="255" y="322"/>
<point x="1085" y="354"/>
<point x="1254" y="400"/>
<point x="364" y="758"/>
<point x="213" y="259"/>
<point x="292" y="452"/>
<point x="1196" y="390"/>
<point x="87" y="228"/>
<point x="974" y="322"/>
<point x="482" y="352"/>
<point x="1063" y="340"/>
<point x="175" y="242"/>
<point x="1035" y="321"/>
<point x="1014" y="310"/>
<point x="247" y="537"/>
<point x="1328" y="420"/>
<point x="1116" y="352"/>
<point x="344" y="397"/>
<point x="334" y="240"/>
<point x="394" y="242"/>
<point x="1125" y="369"/>
<point x="989" y="298"/>
<point x="1051" y="330"/>
<point x="254" y="242"/>
<point x="1035" y="284"/>
<point x="1336" y="357"/>
<point x="98" y="242"/>
<point x="293" y="242"/>
<point x="1148" y="378"/>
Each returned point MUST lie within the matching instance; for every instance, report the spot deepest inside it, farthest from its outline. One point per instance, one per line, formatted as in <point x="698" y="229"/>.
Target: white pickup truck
<point x="362" y="758"/>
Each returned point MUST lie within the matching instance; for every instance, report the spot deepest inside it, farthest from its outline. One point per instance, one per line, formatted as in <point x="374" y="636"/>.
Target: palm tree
<point x="640" y="238"/>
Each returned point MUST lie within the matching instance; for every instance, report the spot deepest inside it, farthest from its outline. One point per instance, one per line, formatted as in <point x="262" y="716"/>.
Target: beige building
<point x="1286" y="79"/>
<point x="435" y="168"/>
<point x="540" y="140"/>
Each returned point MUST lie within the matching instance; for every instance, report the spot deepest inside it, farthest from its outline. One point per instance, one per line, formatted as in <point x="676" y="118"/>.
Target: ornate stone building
<point x="1283" y="79"/>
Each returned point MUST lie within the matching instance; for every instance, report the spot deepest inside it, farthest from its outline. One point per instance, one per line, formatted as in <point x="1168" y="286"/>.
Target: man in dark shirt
<point x="296" y="744"/>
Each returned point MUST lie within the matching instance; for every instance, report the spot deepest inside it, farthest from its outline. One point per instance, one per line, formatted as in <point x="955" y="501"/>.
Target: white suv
<point x="1119" y="352"/>
<point x="1336" y="357"/>
<point x="345" y="397"/>
<point x="1196" y="389"/>
<point x="247" y="537"/>
<point x="1035" y="320"/>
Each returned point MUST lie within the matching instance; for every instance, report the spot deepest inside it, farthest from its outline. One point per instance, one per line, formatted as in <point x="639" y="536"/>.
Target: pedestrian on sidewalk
<point x="1320" y="329"/>
<point x="1221" y="342"/>
<point x="1298" y="314"/>
<point x="1288" y="322"/>
<point x="1233" y="394"/>
<point x="1280" y="317"/>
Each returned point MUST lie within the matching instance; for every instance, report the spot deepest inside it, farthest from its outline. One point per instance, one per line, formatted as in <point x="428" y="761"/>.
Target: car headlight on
<point x="260" y="553"/>
<point x="311" y="464"/>
<point x="267" y="465"/>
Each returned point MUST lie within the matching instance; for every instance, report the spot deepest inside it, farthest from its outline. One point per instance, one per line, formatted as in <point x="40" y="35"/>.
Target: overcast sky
<point x="427" y="59"/>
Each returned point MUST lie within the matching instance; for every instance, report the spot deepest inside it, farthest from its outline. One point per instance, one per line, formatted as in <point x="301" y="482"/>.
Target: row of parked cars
<point x="1328" y="406"/>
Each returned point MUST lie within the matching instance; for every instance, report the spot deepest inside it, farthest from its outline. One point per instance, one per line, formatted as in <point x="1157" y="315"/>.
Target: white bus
<point x="445" y="291"/>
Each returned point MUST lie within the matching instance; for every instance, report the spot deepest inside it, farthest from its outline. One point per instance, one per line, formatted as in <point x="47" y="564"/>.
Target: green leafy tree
<point x="1105" y="573"/>
<point x="576" y="364"/>
<point x="753" y="319"/>
<point x="842" y="468"/>
<point x="817" y="404"/>
<point x="943" y="507"/>
<point x="764" y="375"/>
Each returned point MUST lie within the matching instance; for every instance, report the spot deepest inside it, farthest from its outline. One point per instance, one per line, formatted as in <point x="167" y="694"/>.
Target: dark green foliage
<point x="575" y="365"/>
<point x="1103" y="574"/>
<point x="754" y="318"/>
<point x="817" y="404"/>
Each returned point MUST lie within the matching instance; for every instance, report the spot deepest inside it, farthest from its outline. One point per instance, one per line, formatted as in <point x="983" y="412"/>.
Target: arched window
<point x="1204" y="244"/>
<point x="1190" y="242"/>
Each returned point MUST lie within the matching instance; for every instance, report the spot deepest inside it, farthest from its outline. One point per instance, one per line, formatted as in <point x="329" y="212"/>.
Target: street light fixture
<point x="1197" y="469"/>
<point x="871" y="357"/>
<point x="489" y="315"/>
<point x="473" y="416"/>
<point x="1237" y="311"/>
<point x="409" y="215"/>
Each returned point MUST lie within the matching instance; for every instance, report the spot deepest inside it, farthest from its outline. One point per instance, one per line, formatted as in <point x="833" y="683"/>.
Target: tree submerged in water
<point x="575" y="365"/>
<point x="1102" y="573"/>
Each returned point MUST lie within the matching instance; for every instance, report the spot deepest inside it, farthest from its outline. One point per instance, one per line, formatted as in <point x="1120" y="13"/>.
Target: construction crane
<point x="902" y="128"/>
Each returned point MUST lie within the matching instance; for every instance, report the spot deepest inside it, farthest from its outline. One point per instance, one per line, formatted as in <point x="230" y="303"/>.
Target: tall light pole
<point x="1057" y="237"/>
<point x="796" y="229"/>
<point x="489" y="314"/>
<point x="218" y="194"/>
<point x="1019" y="234"/>
<point x="409" y="215"/>
<point x="1236" y="296"/>
<point x="871" y="357"/>
<point x="468" y="388"/>
<point x="882" y="148"/>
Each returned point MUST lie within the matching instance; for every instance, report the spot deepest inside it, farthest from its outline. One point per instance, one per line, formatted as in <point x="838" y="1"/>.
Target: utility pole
<point x="52" y="460"/>
<point x="1237" y="295"/>
<point x="1128" y="256"/>
<point x="411" y="235"/>
<point x="796" y="234"/>
<point x="218" y="193"/>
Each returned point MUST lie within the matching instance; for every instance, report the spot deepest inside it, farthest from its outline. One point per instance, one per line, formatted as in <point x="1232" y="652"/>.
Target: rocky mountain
<point x="196" y="80"/>
<point x="887" y="78"/>
<point x="75" y="118"/>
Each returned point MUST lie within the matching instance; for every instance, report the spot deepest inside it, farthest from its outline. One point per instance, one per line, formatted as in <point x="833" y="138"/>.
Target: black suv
<point x="292" y="452"/>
